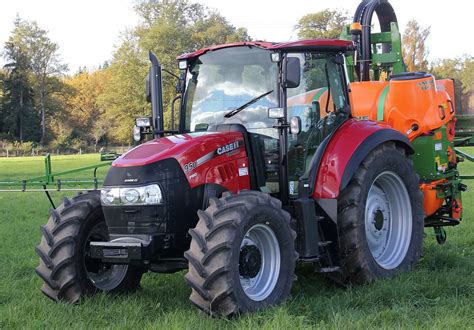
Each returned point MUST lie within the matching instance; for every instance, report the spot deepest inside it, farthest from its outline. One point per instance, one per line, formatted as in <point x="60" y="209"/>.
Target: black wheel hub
<point x="250" y="261"/>
<point x="379" y="219"/>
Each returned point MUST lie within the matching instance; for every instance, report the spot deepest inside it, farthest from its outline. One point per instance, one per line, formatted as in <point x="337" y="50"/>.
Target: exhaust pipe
<point x="155" y="90"/>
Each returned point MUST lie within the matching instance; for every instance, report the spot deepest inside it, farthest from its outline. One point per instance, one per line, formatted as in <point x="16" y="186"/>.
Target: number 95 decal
<point x="189" y="166"/>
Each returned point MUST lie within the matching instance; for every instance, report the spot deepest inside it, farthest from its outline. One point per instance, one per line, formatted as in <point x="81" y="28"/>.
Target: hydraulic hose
<point x="363" y="16"/>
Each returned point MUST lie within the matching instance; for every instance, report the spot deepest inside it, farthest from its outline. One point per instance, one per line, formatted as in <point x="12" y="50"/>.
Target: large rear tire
<point x="65" y="267"/>
<point x="242" y="255"/>
<point x="380" y="217"/>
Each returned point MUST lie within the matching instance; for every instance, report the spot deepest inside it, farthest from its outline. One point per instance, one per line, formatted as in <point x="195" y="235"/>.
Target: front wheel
<point x="65" y="265"/>
<point x="380" y="217"/>
<point x="242" y="255"/>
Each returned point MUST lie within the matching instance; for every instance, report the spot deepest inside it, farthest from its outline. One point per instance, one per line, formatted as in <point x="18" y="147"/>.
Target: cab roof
<point x="300" y="45"/>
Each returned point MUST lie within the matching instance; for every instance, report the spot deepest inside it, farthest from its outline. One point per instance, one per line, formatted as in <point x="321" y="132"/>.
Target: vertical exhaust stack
<point x="156" y="91"/>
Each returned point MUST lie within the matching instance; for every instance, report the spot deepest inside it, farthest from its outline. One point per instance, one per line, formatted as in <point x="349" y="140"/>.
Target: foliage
<point x="323" y="24"/>
<point x="167" y="28"/>
<point x="37" y="103"/>
<point x="19" y="119"/>
<point x="82" y="103"/>
<point x="18" y="115"/>
<point x="461" y="69"/>
<point x="415" y="52"/>
<point x="124" y="94"/>
<point x="34" y="63"/>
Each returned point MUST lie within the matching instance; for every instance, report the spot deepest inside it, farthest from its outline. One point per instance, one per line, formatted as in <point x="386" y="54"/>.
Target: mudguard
<point x="346" y="150"/>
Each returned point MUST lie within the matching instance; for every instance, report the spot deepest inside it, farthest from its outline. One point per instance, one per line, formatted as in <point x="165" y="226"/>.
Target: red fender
<point x="347" y="148"/>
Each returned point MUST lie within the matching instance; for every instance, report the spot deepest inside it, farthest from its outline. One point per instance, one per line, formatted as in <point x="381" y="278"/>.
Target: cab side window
<point x="319" y="101"/>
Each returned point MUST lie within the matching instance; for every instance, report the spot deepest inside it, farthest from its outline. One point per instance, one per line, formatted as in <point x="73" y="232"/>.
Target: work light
<point x="143" y="121"/>
<point x="183" y="64"/>
<point x="275" y="57"/>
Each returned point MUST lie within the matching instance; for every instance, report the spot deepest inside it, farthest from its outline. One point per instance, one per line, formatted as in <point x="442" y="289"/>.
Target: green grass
<point x="439" y="293"/>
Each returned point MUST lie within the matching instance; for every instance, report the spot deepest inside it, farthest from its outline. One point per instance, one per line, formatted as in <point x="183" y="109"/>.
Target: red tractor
<point x="277" y="159"/>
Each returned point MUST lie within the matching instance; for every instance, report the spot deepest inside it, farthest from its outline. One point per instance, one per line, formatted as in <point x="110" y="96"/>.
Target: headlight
<point x="147" y="195"/>
<point x="110" y="196"/>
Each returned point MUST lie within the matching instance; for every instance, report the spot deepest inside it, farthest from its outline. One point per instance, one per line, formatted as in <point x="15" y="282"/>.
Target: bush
<point x="78" y="144"/>
<point x="61" y="142"/>
<point x="17" y="148"/>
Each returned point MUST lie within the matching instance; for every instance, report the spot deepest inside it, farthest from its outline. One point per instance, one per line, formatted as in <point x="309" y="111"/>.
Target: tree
<point x="124" y="94"/>
<point x="82" y="106"/>
<point x="214" y="29"/>
<point x="323" y="24"/>
<point x="415" y="52"/>
<point x="18" y="103"/>
<point x="19" y="118"/>
<point x="41" y="59"/>
<point x="461" y="69"/>
<point x="168" y="28"/>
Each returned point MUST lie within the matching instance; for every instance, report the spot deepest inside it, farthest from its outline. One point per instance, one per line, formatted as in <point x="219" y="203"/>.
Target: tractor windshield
<point x="232" y="85"/>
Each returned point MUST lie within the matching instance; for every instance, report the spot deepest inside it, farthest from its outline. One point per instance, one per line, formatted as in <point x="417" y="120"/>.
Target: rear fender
<point x="346" y="150"/>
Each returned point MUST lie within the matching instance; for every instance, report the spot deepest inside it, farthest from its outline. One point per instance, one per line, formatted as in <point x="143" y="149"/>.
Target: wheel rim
<point x="104" y="276"/>
<point x="259" y="262"/>
<point x="388" y="220"/>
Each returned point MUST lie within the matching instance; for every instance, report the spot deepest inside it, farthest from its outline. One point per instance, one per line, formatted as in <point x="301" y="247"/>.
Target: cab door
<point x="321" y="102"/>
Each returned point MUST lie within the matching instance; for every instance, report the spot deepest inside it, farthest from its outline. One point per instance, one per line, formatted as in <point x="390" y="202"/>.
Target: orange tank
<point x="410" y="103"/>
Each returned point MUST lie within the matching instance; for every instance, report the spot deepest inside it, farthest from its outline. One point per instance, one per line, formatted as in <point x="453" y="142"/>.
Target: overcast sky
<point x="88" y="30"/>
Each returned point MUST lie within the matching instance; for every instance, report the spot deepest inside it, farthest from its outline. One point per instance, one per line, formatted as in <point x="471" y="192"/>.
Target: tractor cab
<point x="285" y="99"/>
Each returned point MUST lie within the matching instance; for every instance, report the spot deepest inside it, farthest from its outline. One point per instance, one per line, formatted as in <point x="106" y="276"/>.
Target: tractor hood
<point x="191" y="151"/>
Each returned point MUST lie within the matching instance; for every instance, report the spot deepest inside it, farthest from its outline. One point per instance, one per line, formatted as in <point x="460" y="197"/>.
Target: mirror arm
<point x="170" y="73"/>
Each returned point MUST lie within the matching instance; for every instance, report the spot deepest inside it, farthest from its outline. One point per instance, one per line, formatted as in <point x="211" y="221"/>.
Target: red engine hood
<point x="204" y="157"/>
<point x="184" y="148"/>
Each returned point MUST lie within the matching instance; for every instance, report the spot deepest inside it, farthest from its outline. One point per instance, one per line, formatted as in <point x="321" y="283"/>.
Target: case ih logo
<point x="229" y="147"/>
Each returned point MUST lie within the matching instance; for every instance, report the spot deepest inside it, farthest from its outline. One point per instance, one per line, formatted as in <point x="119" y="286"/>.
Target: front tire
<point x="65" y="267"/>
<point x="242" y="254"/>
<point x="380" y="217"/>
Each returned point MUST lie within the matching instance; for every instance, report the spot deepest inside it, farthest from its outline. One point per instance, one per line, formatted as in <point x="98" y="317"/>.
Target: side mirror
<point x="295" y="125"/>
<point x="316" y="112"/>
<point x="292" y="72"/>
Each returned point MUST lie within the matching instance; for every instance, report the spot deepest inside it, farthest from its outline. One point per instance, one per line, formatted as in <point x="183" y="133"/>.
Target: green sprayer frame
<point x="50" y="181"/>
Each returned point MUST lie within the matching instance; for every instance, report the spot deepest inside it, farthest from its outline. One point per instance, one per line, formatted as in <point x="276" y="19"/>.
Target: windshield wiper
<point x="243" y="106"/>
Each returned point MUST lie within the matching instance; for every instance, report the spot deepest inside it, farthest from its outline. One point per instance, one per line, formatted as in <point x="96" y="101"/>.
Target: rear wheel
<point x="381" y="217"/>
<point x="65" y="265"/>
<point x="242" y="255"/>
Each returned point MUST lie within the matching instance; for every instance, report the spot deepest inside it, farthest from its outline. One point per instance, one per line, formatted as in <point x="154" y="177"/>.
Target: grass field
<point x="438" y="294"/>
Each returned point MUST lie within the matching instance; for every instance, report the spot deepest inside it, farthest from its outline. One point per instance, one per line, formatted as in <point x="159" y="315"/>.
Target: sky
<point x="88" y="31"/>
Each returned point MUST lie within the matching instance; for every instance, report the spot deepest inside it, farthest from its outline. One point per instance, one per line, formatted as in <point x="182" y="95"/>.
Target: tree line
<point x="40" y="103"/>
